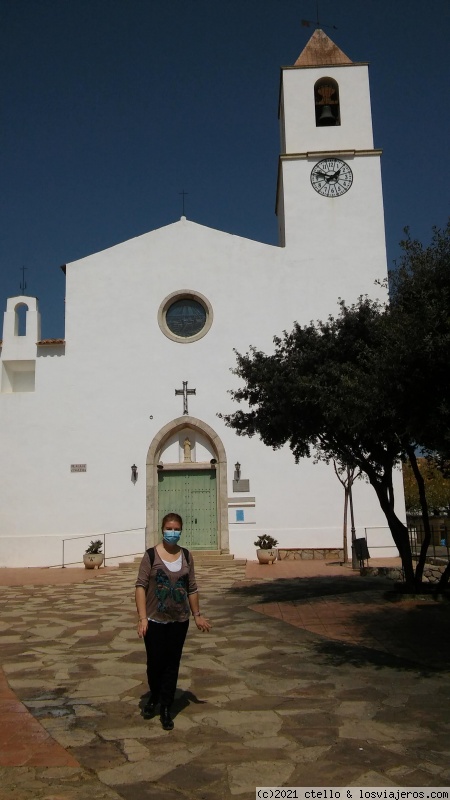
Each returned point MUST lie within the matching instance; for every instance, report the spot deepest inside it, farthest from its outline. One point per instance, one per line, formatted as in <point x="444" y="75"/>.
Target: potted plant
<point x="93" y="556"/>
<point x="266" y="552"/>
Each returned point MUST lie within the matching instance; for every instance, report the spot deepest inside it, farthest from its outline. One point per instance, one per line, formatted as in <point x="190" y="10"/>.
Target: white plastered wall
<point x="101" y="403"/>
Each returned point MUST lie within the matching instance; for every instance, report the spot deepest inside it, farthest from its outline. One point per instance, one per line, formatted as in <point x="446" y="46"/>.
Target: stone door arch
<point x="155" y="451"/>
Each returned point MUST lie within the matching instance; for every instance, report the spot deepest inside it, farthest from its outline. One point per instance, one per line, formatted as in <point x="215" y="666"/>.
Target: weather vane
<point x="23" y="283"/>
<point x="307" y="22"/>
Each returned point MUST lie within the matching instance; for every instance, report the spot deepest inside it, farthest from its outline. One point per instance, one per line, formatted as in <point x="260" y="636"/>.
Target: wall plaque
<point x="78" y="467"/>
<point x="242" y="485"/>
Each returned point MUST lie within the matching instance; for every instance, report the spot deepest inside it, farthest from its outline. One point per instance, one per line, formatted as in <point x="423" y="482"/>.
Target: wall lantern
<point x="134" y="473"/>
<point x="213" y="462"/>
<point x="237" y="471"/>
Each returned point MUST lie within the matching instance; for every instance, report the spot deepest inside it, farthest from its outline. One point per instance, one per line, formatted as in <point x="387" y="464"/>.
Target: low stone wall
<point x="309" y="553"/>
<point x="432" y="572"/>
<point x="393" y="573"/>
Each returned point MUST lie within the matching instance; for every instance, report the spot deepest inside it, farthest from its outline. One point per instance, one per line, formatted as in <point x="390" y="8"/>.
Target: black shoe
<point x="166" y="719"/>
<point x="149" y="709"/>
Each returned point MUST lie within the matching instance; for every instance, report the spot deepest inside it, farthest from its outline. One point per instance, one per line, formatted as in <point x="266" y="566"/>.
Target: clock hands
<point x="333" y="177"/>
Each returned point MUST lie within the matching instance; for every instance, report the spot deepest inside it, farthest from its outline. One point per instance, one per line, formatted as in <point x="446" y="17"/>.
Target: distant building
<point x="116" y="425"/>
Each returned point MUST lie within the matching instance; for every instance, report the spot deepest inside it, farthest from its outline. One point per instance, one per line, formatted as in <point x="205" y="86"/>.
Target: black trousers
<point x="164" y="645"/>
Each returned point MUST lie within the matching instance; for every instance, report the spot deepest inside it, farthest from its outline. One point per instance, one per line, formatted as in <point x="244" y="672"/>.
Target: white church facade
<point x="105" y="431"/>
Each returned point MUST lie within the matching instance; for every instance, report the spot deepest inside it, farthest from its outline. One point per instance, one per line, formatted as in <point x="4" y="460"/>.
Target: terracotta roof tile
<point x="321" y="51"/>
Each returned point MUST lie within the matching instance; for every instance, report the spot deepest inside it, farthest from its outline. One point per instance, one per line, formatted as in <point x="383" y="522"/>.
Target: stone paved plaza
<point x="319" y="680"/>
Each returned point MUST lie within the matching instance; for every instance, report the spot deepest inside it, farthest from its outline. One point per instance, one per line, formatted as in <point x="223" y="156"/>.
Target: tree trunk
<point x="355" y="564"/>
<point x="347" y="484"/>
<point x="444" y="579"/>
<point x="425" y="516"/>
<point x="401" y="538"/>
<point x="383" y="488"/>
<point x="344" y="532"/>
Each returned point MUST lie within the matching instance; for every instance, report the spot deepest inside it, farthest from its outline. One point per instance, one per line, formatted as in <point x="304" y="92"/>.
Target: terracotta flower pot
<point x="92" y="560"/>
<point x="267" y="556"/>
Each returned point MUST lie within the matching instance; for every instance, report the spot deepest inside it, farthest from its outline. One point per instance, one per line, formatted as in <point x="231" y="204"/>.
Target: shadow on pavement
<point x="337" y="653"/>
<point x="401" y="635"/>
<point x="363" y="622"/>
<point x="298" y="589"/>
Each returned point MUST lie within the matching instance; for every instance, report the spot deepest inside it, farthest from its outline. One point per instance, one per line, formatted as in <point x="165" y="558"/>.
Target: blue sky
<point x="110" y="108"/>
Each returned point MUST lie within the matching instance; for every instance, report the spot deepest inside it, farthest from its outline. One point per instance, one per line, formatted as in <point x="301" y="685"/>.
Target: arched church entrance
<point x="187" y="473"/>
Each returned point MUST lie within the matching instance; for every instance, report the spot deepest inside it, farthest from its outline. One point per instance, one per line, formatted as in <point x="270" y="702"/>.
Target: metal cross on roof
<point x="185" y="392"/>
<point x="23" y="283"/>
<point x="183" y="194"/>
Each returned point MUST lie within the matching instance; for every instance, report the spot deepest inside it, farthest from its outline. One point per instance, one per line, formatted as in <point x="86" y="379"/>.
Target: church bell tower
<point x="329" y="196"/>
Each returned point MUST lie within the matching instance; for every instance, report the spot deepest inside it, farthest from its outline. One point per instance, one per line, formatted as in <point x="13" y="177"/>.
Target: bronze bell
<point x="327" y="117"/>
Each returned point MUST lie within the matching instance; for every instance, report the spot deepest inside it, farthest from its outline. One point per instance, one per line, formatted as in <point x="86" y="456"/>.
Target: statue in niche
<point x="187" y="449"/>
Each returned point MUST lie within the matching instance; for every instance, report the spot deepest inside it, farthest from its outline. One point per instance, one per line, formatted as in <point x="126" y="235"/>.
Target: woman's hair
<point x="172" y="518"/>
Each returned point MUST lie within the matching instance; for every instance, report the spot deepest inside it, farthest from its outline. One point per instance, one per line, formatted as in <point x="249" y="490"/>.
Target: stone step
<point x="201" y="555"/>
<point x="219" y="562"/>
<point x="202" y="558"/>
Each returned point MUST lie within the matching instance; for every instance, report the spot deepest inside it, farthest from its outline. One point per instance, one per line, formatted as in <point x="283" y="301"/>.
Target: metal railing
<point x="103" y="536"/>
<point x="439" y="547"/>
<point x="384" y="536"/>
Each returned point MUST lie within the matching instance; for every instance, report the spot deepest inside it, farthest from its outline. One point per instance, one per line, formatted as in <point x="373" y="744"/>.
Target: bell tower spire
<point x="321" y="51"/>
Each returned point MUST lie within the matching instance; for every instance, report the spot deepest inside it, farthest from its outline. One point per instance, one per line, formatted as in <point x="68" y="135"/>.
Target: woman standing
<point x="166" y="594"/>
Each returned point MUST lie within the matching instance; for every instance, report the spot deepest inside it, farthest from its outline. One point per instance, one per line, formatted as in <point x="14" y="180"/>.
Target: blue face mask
<point x="171" y="537"/>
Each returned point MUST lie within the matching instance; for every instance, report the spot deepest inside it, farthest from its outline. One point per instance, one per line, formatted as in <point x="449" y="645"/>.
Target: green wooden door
<point x="192" y="494"/>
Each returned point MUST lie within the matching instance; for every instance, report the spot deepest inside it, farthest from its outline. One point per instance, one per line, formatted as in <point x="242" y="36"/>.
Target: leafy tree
<point x="323" y="392"/>
<point x="437" y="487"/>
<point x="420" y="319"/>
<point x="420" y="316"/>
<point x="355" y="388"/>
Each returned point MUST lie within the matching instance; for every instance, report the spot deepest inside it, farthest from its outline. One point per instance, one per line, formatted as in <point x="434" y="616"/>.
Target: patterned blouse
<point x="167" y="592"/>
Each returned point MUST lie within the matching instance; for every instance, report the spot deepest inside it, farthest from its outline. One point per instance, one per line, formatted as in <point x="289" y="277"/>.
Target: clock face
<point x="331" y="177"/>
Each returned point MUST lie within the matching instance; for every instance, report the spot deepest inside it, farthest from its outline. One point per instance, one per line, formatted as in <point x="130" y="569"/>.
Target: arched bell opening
<point x="20" y="320"/>
<point x="326" y="101"/>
